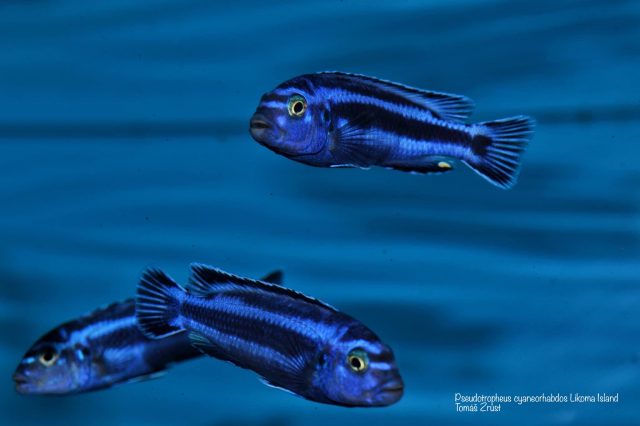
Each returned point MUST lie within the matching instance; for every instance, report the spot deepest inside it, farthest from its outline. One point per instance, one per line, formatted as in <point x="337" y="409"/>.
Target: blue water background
<point x="124" y="144"/>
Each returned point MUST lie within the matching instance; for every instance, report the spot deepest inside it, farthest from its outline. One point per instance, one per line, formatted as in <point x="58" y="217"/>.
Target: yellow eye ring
<point x="48" y="357"/>
<point x="297" y="106"/>
<point x="358" y="360"/>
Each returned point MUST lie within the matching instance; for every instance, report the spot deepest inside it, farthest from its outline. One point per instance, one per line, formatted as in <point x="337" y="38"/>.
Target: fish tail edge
<point x="498" y="147"/>
<point x="158" y="300"/>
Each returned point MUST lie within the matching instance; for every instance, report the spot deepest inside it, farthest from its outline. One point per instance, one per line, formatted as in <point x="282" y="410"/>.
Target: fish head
<point x="359" y="370"/>
<point x="292" y="120"/>
<point x="53" y="366"/>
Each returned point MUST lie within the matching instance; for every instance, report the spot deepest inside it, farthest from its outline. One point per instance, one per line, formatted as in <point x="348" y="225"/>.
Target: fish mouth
<point x="392" y="389"/>
<point x="20" y="379"/>
<point x="390" y="392"/>
<point x="22" y="382"/>
<point x="259" y="127"/>
<point x="271" y="136"/>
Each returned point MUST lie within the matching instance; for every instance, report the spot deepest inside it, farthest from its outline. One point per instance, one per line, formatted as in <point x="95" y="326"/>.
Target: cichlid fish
<point x="99" y="350"/>
<point x="294" y="342"/>
<point x="96" y="351"/>
<point x="334" y="119"/>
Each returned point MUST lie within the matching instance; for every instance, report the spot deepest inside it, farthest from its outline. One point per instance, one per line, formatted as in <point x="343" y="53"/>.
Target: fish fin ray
<point x="348" y="143"/>
<point x="290" y="377"/>
<point x="293" y="376"/>
<point x="499" y="146"/>
<point x="205" y="280"/>
<point x="299" y="384"/>
<point x="157" y="304"/>
<point x="348" y="166"/>
<point x="446" y="106"/>
<point x="266" y="382"/>
<point x="208" y="347"/>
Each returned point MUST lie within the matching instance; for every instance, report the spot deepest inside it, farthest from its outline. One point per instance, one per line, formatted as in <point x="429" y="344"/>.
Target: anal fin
<point x="150" y="376"/>
<point x="423" y="167"/>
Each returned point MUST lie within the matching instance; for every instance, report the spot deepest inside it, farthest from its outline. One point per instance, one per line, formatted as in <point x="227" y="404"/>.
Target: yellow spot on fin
<point x="444" y="165"/>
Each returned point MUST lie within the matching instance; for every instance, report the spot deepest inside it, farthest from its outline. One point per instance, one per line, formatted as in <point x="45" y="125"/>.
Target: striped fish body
<point x="97" y="351"/>
<point x="344" y="120"/>
<point x="292" y="341"/>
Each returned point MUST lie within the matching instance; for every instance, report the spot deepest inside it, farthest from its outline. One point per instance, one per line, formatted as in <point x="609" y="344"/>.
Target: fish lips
<point x="26" y="385"/>
<point x="22" y="382"/>
<point x="389" y="393"/>
<point x="267" y="135"/>
<point x="261" y="129"/>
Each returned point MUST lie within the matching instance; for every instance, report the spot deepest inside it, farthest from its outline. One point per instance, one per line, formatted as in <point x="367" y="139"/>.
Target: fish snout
<point x="260" y="127"/>
<point x="390" y="391"/>
<point x="21" y="380"/>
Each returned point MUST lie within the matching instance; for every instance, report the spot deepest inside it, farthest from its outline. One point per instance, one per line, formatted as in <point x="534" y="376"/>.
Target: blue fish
<point x="334" y="119"/>
<point x="99" y="350"/>
<point x="294" y="342"/>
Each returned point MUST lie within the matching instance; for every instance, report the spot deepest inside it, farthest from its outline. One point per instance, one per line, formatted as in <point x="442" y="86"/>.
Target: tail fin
<point x="158" y="304"/>
<point x="498" y="146"/>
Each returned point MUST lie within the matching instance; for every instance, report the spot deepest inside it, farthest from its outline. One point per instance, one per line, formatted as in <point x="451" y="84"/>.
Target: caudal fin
<point x="158" y="304"/>
<point x="497" y="148"/>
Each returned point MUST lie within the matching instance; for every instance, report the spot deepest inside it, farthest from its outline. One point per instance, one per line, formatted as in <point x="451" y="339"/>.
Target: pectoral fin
<point x="348" y="143"/>
<point x="211" y="348"/>
<point x="289" y="375"/>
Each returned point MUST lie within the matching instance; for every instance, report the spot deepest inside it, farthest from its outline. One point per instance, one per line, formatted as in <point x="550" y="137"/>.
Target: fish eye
<point x="297" y="106"/>
<point x="48" y="357"/>
<point x="358" y="360"/>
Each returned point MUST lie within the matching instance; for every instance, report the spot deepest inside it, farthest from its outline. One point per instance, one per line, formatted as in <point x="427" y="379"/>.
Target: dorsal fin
<point x="205" y="280"/>
<point x="274" y="277"/>
<point x="114" y="309"/>
<point x="446" y="106"/>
